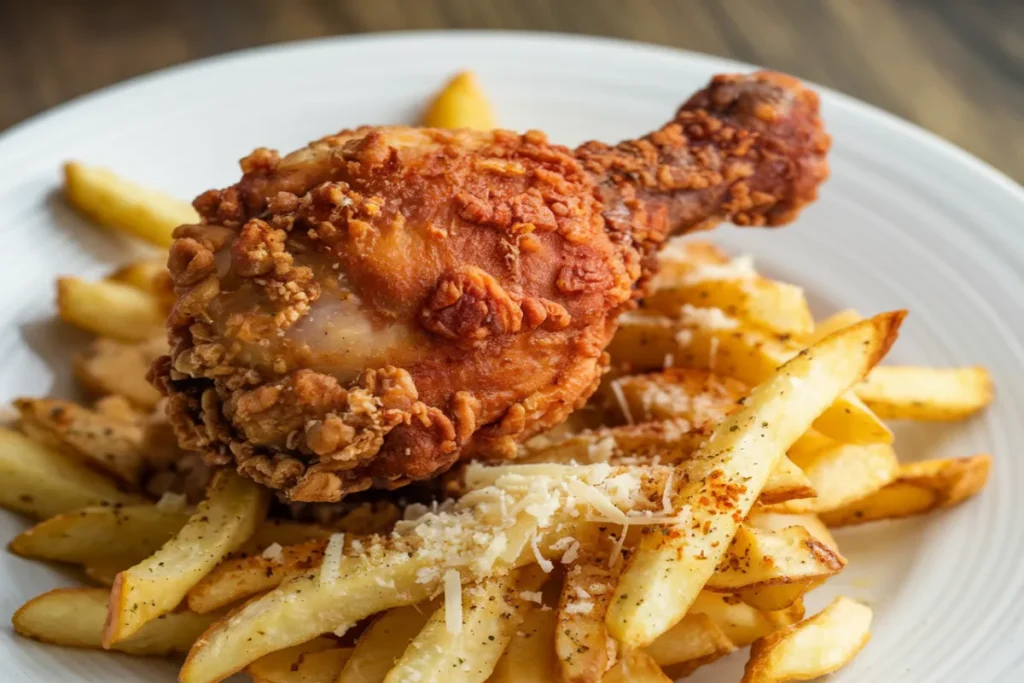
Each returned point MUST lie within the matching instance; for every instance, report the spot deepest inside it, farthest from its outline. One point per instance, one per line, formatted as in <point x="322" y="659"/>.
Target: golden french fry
<point x="233" y="508"/>
<point x="739" y="622"/>
<point x="318" y="661"/>
<point x="106" y="443"/>
<point x="41" y="483"/>
<point x="92" y="535"/>
<point x="818" y="646"/>
<point x="921" y="393"/>
<point x="833" y="323"/>
<point x="843" y="473"/>
<point x="758" y="558"/>
<point x="74" y="617"/>
<point x="150" y="276"/>
<point x="110" y="309"/>
<point x="636" y="667"/>
<point x="750" y="355"/>
<point x="919" y="487"/>
<point x="241" y="578"/>
<point x="283" y="532"/>
<point x="113" y="367"/>
<point x="460" y="104"/>
<point x="530" y="655"/>
<point x="667" y="571"/>
<point x="465" y="646"/>
<point x="700" y="397"/>
<point x="581" y="636"/>
<point x="384" y="641"/>
<point x="103" y="572"/>
<point x="117" y="203"/>
<point x="766" y="520"/>
<point x="695" y="637"/>
<point x="776" y="306"/>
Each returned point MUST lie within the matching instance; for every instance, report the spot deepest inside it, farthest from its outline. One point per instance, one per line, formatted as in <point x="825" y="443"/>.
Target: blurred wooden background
<point x="953" y="66"/>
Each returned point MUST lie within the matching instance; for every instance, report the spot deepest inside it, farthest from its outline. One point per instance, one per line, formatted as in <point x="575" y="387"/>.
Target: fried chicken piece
<point x="367" y="310"/>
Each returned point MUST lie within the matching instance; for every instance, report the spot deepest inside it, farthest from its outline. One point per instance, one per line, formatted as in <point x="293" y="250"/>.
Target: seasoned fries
<point x="122" y="205"/>
<point x="384" y="641"/>
<point x="815" y="647"/>
<point x="906" y="393"/>
<point x="234" y="506"/>
<point x="111" y="367"/>
<point x="40" y="482"/>
<point x="107" y="443"/>
<point x="460" y="104"/>
<point x="74" y="617"/>
<point x="679" y="516"/>
<point x="658" y="585"/>
<point x="919" y="487"/>
<point x="110" y="309"/>
<point x="128" y="533"/>
<point x="318" y="661"/>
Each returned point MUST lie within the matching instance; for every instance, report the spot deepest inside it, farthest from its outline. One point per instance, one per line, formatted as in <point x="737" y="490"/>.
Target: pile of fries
<point x="681" y="516"/>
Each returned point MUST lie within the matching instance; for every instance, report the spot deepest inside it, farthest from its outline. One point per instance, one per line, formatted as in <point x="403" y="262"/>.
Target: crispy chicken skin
<point x="370" y="308"/>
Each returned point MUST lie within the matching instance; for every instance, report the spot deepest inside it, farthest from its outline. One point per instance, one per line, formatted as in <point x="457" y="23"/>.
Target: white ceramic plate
<point x="907" y="220"/>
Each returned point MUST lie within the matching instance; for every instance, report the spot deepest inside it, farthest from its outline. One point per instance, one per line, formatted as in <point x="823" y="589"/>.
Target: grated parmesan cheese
<point x="666" y="494"/>
<point x="172" y="502"/>
<point x="621" y="399"/>
<point x="572" y="553"/>
<point x="542" y="562"/>
<point x="706" y="318"/>
<point x="452" y="601"/>
<point x="739" y="268"/>
<point x="583" y="607"/>
<point x="272" y="553"/>
<point x="330" y="568"/>
<point x="532" y="596"/>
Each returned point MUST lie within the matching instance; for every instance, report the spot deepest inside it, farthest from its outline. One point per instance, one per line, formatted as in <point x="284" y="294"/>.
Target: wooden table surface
<point x="953" y="66"/>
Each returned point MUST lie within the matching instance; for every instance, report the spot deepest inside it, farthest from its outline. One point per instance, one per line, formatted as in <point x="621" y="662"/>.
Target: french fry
<point x="305" y="607"/>
<point x="529" y="655"/>
<point x="843" y="473"/>
<point x="113" y="367"/>
<point x="666" y="441"/>
<point x="283" y="532"/>
<point x="91" y="535"/>
<point x="636" y="667"/>
<point x="818" y="646"/>
<point x="384" y="641"/>
<point x="833" y="323"/>
<point x="74" y="617"/>
<point x="746" y="354"/>
<point x="920" y="393"/>
<point x="103" y="572"/>
<point x="919" y="487"/>
<point x="114" y="202"/>
<point x="150" y="276"/>
<point x="241" y="578"/>
<point x="109" y="309"/>
<point x="490" y="614"/>
<point x="739" y="622"/>
<point x="318" y="661"/>
<point x="109" y="444"/>
<point x="233" y="508"/>
<point x="763" y="519"/>
<point x="695" y="637"/>
<point x="667" y="571"/>
<point x="581" y="636"/>
<point x="698" y="396"/>
<point x="40" y="482"/>
<point x="776" y="306"/>
<point x="758" y="558"/>
<point x="460" y="104"/>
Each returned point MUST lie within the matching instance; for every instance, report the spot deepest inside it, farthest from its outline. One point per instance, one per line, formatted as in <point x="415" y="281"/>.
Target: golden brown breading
<point x="366" y="310"/>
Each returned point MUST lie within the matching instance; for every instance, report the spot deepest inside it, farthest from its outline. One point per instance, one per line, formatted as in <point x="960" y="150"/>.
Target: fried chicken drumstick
<point x="367" y="310"/>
